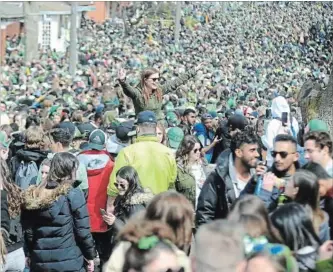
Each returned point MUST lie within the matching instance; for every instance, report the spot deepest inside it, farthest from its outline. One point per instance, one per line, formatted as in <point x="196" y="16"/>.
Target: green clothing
<point x="153" y="104"/>
<point x="324" y="266"/>
<point x="81" y="174"/>
<point x="185" y="184"/>
<point x="154" y="162"/>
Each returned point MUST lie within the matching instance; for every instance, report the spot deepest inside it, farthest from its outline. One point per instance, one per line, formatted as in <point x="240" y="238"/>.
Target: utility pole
<point x="177" y="23"/>
<point x="73" y="40"/>
<point x="31" y="19"/>
<point x="113" y="10"/>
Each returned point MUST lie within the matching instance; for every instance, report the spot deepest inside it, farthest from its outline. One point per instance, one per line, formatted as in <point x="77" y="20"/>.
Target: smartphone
<point x="268" y="113"/>
<point x="103" y="212"/>
<point x="284" y="118"/>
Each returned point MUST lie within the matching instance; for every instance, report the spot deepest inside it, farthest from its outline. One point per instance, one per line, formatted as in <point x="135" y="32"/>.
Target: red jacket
<point x="99" y="165"/>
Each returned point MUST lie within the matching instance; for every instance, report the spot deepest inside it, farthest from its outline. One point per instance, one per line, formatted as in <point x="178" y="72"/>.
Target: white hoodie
<point x="275" y="127"/>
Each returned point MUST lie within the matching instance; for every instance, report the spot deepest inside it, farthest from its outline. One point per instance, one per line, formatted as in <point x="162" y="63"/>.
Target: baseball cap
<point x="123" y="130"/>
<point x="175" y="137"/>
<point x="172" y="119"/>
<point x="3" y="140"/>
<point x="146" y="117"/>
<point x="318" y="125"/>
<point x="237" y="122"/>
<point x="206" y="116"/>
<point x="97" y="140"/>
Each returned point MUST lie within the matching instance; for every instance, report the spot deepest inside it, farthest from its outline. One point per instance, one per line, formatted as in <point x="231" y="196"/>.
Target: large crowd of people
<point x="159" y="156"/>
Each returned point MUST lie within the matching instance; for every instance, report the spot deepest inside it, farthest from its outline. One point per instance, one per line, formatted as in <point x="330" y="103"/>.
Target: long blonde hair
<point x="3" y="250"/>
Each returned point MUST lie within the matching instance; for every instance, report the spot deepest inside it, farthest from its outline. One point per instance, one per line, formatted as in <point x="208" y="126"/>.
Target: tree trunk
<point x="316" y="102"/>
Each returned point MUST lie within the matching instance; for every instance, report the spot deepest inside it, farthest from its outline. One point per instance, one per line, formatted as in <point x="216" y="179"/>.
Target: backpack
<point x="26" y="174"/>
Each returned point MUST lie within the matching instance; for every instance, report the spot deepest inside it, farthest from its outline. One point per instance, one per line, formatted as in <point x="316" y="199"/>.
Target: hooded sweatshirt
<point x="275" y="126"/>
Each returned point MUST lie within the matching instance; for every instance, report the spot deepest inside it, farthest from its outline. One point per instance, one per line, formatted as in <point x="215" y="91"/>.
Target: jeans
<point x="15" y="261"/>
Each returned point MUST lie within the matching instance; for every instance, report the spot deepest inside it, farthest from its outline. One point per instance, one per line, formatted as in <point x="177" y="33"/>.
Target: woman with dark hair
<point x="326" y="201"/>
<point x="131" y="199"/>
<point x="190" y="169"/>
<point x="295" y="226"/>
<point x="148" y="95"/>
<point x="56" y="221"/>
<point x="250" y="205"/>
<point x="11" y="228"/>
<point x="170" y="208"/>
<point x="303" y="188"/>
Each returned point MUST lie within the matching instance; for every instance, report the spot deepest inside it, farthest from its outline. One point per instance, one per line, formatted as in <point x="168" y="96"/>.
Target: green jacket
<point x="154" y="162"/>
<point x="135" y="93"/>
<point x="186" y="184"/>
<point x="324" y="266"/>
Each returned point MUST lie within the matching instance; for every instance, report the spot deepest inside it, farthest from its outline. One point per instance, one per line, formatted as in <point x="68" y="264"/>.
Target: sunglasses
<point x="122" y="186"/>
<point x="283" y="154"/>
<point x="155" y="79"/>
<point x="196" y="150"/>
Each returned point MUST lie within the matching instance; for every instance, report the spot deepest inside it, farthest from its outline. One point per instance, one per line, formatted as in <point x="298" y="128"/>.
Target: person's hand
<point x="326" y="251"/>
<point x="261" y="169"/>
<point x="122" y="75"/>
<point x="216" y="140"/>
<point x="109" y="218"/>
<point x="27" y="262"/>
<point x="90" y="266"/>
<point x="269" y="180"/>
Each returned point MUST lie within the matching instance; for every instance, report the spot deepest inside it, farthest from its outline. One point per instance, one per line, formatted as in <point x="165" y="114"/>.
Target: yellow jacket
<point x="154" y="162"/>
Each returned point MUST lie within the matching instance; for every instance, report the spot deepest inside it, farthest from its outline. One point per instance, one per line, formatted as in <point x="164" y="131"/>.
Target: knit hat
<point x="318" y="125"/>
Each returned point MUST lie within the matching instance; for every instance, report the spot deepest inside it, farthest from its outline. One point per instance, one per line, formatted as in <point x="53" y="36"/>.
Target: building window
<point x="46" y="35"/>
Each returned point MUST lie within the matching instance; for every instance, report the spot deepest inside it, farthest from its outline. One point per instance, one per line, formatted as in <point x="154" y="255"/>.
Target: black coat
<point x="124" y="211"/>
<point x="57" y="229"/>
<point x="5" y="220"/>
<point x="11" y="228"/>
<point x="217" y="193"/>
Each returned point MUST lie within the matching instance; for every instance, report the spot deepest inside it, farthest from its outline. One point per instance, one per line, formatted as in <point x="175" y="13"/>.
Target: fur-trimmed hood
<point x="141" y="198"/>
<point x="48" y="201"/>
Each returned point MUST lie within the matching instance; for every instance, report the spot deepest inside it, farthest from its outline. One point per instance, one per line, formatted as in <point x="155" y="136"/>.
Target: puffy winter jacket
<point x="125" y="210"/>
<point x="57" y="231"/>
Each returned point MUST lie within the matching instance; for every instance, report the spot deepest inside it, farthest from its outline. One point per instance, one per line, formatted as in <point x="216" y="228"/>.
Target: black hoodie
<point x="27" y="155"/>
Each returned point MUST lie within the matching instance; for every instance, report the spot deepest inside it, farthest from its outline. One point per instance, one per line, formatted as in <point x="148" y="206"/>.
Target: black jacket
<point x="124" y="211"/>
<point x="222" y="132"/>
<point x="57" y="230"/>
<point x="217" y="194"/>
<point x="11" y="228"/>
<point x="187" y="129"/>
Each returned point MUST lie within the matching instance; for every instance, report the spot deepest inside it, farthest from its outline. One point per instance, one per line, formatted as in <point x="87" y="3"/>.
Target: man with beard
<point x="285" y="164"/>
<point x="234" y="169"/>
<point x="188" y="121"/>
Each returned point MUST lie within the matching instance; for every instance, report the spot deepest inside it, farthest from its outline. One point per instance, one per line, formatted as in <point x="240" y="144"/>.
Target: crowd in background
<point x="164" y="157"/>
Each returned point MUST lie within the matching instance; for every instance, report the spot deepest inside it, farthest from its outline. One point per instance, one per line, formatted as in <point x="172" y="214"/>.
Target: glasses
<point x="155" y="79"/>
<point x="121" y="185"/>
<point x="283" y="154"/>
